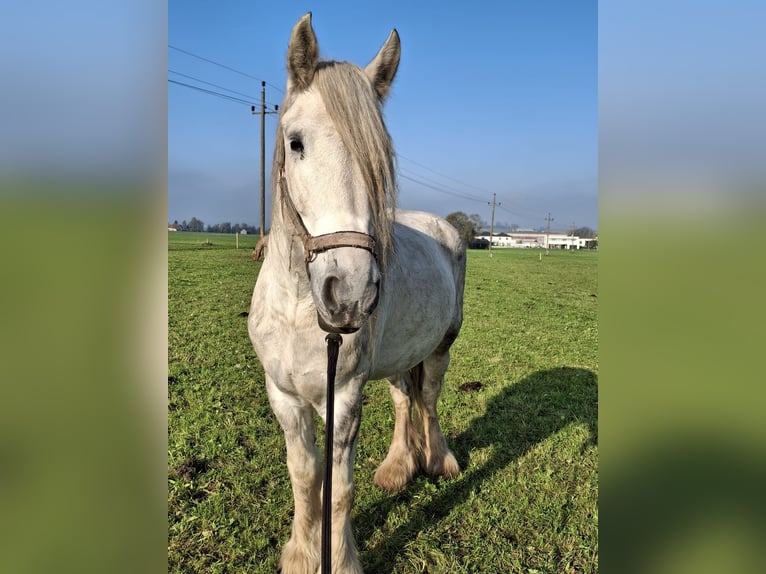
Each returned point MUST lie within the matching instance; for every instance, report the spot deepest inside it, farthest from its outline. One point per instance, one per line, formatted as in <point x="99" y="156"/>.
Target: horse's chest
<point x="291" y="360"/>
<point x="291" y="347"/>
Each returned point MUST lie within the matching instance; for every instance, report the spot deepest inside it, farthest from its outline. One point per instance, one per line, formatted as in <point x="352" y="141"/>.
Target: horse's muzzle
<point x="344" y="313"/>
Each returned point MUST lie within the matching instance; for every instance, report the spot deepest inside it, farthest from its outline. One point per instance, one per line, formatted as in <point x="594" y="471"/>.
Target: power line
<point x="212" y="93"/>
<point x="443" y="175"/>
<point x="439" y="189"/>
<point x="462" y="195"/>
<point x="454" y="193"/>
<point x="224" y="66"/>
<point x="210" y="84"/>
<point x="516" y="213"/>
<point x="442" y="186"/>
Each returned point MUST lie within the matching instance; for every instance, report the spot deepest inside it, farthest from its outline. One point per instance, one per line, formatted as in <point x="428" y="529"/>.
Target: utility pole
<point x="263" y="113"/>
<point x="548" y="234"/>
<point x="492" y="221"/>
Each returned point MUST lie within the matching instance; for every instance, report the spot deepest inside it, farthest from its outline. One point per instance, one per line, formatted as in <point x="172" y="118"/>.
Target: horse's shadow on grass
<point x="523" y="415"/>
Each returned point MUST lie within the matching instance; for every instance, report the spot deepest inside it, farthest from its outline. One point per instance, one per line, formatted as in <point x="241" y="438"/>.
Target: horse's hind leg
<point x="438" y="459"/>
<point x="401" y="463"/>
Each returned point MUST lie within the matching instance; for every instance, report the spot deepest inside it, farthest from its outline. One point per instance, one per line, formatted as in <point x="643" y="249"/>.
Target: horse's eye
<point x="296" y="145"/>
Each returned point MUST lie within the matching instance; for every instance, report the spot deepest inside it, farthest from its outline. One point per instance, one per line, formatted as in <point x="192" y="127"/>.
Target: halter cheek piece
<point x="314" y="244"/>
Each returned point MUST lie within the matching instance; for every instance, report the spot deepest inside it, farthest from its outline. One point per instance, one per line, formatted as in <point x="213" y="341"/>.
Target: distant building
<point x="172" y="227"/>
<point x="529" y="239"/>
<point x="243" y="231"/>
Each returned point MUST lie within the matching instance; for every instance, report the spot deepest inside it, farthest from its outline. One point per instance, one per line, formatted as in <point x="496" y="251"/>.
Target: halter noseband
<point x="314" y="244"/>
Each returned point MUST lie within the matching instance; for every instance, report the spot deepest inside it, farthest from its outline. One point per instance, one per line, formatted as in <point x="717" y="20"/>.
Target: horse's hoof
<point x="447" y="466"/>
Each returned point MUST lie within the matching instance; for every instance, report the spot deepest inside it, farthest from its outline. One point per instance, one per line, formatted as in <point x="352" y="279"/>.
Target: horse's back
<point x="418" y="233"/>
<point x="433" y="227"/>
<point x="423" y="291"/>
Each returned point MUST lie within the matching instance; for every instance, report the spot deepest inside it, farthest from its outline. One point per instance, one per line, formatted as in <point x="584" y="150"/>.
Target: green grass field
<point x="519" y="409"/>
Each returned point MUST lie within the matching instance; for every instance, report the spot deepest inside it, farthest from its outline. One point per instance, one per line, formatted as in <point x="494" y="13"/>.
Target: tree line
<point x="468" y="226"/>
<point x="225" y="227"/>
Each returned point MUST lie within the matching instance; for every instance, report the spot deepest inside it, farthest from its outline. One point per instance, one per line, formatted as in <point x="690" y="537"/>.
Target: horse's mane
<point x="355" y="110"/>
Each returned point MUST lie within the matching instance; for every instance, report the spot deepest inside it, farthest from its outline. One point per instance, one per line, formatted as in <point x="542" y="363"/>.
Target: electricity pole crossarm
<point x="263" y="113"/>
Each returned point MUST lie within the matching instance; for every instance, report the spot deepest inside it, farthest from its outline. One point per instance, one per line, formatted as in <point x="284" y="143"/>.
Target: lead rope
<point x="334" y="342"/>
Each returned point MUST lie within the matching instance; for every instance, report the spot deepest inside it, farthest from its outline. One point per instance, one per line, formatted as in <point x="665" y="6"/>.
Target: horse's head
<point x="336" y="168"/>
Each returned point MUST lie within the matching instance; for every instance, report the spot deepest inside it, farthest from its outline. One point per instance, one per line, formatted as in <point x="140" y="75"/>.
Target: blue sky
<point x="496" y="97"/>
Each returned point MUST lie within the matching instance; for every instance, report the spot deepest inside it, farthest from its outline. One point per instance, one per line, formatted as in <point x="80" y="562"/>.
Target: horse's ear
<point x="302" y="55"/>
<point x="382" y="69"/>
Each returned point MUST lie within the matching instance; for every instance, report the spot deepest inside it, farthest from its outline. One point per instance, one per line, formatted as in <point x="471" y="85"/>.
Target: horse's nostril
<point x="329" y="293"/>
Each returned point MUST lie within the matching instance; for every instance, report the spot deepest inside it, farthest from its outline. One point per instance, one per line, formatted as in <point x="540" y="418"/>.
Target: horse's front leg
<point x="301" y="553"/>
<point x="348" y="414"/>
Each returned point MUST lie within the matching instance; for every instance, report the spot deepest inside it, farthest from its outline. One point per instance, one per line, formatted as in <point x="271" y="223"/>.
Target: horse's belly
<point x="412" y="332"/>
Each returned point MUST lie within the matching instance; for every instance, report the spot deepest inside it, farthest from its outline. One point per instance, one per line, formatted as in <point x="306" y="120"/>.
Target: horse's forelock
<point x="355" y="110"/>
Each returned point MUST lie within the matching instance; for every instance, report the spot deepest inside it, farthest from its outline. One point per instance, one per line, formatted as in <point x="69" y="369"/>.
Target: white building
<point x="519" y="239"/>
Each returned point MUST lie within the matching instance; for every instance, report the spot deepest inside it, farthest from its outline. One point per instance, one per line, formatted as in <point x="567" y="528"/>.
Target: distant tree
<point x="477" y="222"/>
<point x="514" y="227"/>
<point x="584" y="232"/>
<point x="196" y="225"/>
<point x="467" y="226"/>
<point x="184" y="226"/>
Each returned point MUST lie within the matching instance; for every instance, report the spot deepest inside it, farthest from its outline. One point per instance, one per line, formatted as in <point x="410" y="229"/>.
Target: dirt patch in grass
<point x="470" y="387"/>
<point x="190" y="468"/>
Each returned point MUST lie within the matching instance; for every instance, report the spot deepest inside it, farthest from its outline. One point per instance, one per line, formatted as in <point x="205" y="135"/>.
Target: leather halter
<point x="314" y="244"/>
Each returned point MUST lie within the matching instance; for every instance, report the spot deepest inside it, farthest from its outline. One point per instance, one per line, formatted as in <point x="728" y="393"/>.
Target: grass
<point x="519" y="408"/>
